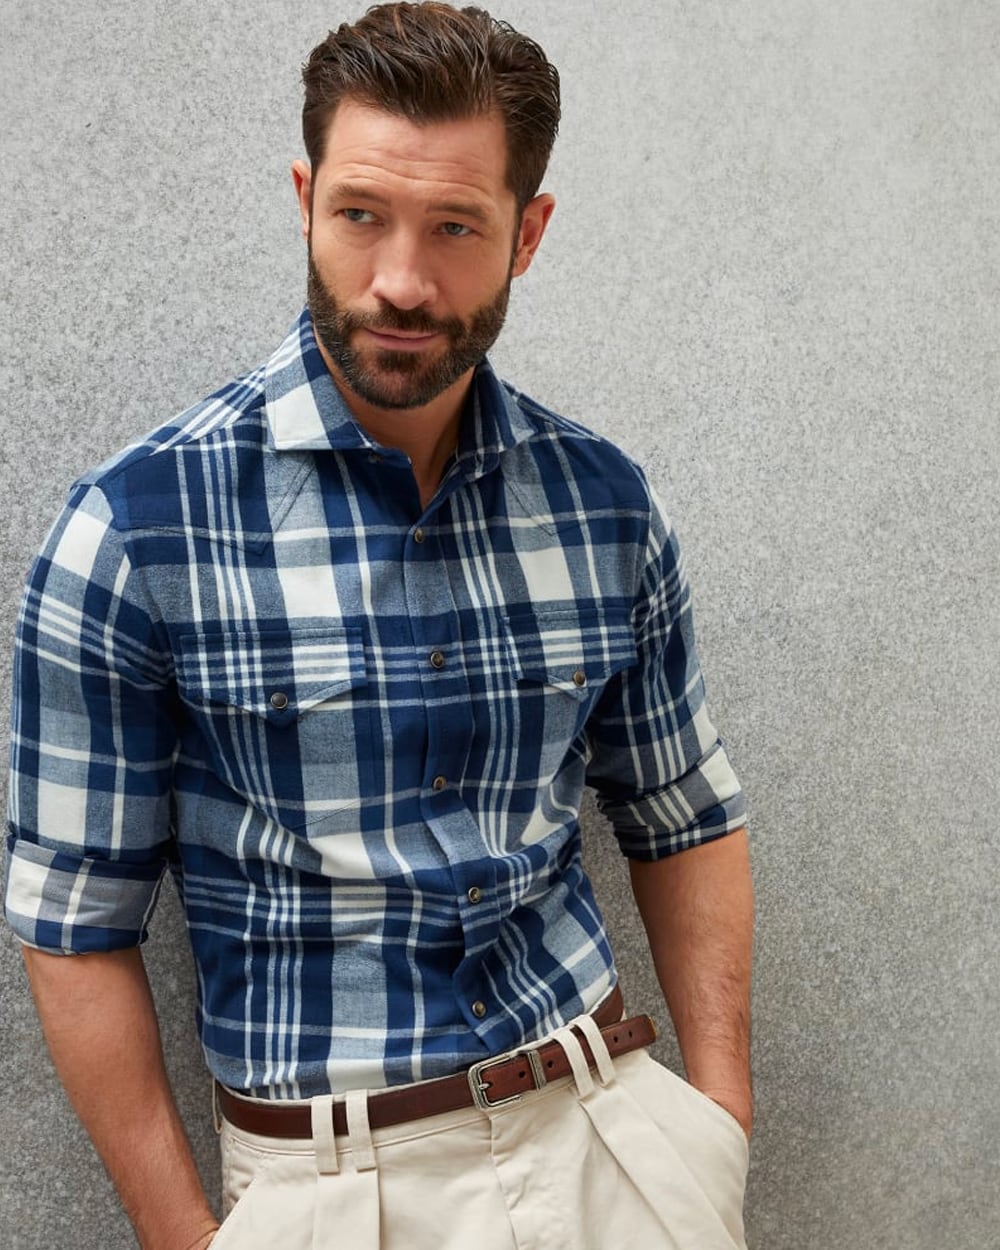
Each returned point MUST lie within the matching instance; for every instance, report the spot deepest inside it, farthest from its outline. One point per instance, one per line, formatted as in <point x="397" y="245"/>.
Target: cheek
<point x="343" y="268"/>
<point x="477" y="282"/>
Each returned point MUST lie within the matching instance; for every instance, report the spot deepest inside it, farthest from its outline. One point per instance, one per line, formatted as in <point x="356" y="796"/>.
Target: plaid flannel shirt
<point x="356" y="730"/>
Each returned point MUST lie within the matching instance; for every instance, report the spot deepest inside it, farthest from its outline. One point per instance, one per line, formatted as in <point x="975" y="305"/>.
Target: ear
<point x="302" y="181"/>
<point x="534" y="219"/>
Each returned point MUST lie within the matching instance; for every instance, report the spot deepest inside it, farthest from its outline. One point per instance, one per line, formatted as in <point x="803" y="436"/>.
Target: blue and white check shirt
<point x="356" y="730"/>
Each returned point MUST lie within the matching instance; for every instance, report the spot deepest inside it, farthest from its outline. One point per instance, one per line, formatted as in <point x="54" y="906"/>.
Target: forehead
<point x="434" y="159"/>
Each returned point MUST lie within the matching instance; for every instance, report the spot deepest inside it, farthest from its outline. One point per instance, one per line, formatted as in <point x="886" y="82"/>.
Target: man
<point x="341" y="647"/>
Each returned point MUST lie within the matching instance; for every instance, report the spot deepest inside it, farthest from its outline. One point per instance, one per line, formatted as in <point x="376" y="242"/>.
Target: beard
<point x="400" y="379"/>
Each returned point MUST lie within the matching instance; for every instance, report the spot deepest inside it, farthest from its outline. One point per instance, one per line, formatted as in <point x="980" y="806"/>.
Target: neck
<point x="427" y="435"/>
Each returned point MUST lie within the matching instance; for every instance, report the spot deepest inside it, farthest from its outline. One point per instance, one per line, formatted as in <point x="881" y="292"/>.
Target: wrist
<point x="204" y="1238"/>
<point x="195" y="1235"/>
<point x="737" y="1102"/>
<point x="723" y="1075"/>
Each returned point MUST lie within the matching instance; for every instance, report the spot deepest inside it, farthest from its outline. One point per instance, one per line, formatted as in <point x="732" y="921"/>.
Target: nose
<point x="402" y="275"/>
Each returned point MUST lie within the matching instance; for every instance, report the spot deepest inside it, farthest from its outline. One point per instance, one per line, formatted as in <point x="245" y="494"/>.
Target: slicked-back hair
<point x="431" y="62"/>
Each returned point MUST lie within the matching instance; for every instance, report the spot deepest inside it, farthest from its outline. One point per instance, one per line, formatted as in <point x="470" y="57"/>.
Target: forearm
<point x="697" y="908"/>
<point x="100" y="1024"/>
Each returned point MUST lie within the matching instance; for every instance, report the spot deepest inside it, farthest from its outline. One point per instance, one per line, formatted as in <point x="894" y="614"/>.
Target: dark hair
<point x="431" y="62"/>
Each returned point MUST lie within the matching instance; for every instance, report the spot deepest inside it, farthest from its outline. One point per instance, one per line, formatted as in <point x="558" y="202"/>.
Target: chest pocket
<point x="562" y="662"/>
<point x="283" y="716"/>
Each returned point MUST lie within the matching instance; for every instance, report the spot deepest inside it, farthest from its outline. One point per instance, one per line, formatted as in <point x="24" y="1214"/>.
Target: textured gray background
<point x="773" y="277"/>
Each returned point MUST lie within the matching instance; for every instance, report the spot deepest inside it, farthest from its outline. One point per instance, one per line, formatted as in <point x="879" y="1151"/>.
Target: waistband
<point x="495" y="1082"/>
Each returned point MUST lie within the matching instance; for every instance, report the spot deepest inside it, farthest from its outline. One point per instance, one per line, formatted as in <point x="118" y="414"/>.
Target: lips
<point x="401" y="340"/>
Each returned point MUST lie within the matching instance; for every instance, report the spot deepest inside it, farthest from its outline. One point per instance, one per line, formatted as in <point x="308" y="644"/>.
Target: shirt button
<point x="579" y="678"/>
<point x="279" y="700"/>
<point x="439" y="783"/>
<point x="475" y="894"/>
<point x="437" y="659"/>
<point x="418" y="536"/>
<point x="479" y="1009"/>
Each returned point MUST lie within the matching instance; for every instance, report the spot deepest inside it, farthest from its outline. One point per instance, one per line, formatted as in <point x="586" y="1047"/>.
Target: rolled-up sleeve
<point x="660" y="771"/>
<point x="92" y="742"/>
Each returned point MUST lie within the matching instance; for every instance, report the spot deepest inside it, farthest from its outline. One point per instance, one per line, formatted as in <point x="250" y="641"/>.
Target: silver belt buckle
<point x="480" y="1088"/>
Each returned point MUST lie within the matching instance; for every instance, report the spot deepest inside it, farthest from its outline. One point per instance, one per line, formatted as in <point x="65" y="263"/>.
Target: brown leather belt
<point x="490" y="1083"/>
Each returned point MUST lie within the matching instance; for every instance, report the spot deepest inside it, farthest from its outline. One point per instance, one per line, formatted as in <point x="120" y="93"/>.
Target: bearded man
<point x="340" y="647"/>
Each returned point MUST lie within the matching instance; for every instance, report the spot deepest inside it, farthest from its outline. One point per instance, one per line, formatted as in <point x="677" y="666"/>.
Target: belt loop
<point x="598" y="1047"/>
<point x="570" y="1044"/>
<point x="216" y="1109"/>
<point x="324" y="1140"/>
<point x="359" y="1130"/>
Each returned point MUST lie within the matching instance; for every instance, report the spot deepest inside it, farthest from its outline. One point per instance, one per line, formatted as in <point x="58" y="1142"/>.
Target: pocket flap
<point x="275" y="674"/>
<point x="575" y="652"/>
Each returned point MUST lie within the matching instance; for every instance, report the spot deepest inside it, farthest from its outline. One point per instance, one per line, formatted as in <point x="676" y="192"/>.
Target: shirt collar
<point x="306" y="412"/>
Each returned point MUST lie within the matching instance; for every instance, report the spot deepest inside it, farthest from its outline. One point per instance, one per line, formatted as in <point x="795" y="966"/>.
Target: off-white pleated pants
<point x="627" y="1157"/>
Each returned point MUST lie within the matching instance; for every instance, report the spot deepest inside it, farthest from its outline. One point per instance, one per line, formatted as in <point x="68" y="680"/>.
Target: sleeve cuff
<point x="706" y="803"/>
<point x="64" y="903"/>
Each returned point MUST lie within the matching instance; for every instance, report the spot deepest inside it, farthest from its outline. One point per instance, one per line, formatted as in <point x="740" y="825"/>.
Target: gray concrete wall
<point x="773" y="277"/>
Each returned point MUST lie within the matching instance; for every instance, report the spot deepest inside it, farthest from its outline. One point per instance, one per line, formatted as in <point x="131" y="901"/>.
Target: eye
<point x="359" y="216"/>
<point x="455" y="229"/>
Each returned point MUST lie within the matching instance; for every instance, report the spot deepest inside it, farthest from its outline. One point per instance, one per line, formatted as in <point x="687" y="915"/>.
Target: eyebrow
<point x="343" y="191"/>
